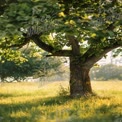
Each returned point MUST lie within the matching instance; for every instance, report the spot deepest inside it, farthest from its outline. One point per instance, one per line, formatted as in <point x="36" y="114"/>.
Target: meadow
<point x="48" y="102"/>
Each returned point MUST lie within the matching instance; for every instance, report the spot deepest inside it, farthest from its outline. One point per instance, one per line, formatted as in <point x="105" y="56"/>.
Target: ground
<point x="41" y="102"/>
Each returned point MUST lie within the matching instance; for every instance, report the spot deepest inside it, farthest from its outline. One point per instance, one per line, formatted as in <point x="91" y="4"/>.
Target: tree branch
<point x="41" y="44"/>
<point x="91" y="60"/>
<point x="49" y="48"/>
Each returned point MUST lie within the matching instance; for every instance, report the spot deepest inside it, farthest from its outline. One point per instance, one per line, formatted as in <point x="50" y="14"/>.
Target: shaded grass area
<point x="30" y="102"/>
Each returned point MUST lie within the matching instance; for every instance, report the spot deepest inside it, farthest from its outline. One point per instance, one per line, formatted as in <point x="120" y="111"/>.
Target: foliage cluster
<point x="36" y="65"/>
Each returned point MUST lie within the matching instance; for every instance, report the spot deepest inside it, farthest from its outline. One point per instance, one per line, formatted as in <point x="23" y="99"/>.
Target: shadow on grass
<point x="3" y="95"/>
<point x="7" y="109"/>
<point x="31" y="107"/>
<point x="8" y="95"/>
<point x="102" y="115"/>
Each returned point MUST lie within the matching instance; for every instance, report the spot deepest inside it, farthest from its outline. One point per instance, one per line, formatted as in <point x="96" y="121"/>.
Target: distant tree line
<point x="106" y="72"/>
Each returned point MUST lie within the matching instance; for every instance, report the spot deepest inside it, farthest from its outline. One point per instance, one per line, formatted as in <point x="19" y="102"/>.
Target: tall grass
<point x="34" y="102"/>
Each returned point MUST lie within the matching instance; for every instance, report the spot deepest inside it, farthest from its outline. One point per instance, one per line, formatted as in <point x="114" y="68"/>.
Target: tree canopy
<point x="95" y="24"/>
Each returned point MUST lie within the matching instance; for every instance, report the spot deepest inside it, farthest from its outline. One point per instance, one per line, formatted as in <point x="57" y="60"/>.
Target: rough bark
<point x="79" y="78"/>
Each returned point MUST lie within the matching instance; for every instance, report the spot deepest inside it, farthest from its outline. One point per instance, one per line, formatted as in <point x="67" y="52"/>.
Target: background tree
<point x="107" y="72"/>
<point x="36" y="65"/>
<point x="89" y="29"/>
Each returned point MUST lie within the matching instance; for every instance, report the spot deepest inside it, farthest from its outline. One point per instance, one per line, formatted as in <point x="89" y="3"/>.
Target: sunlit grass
<point x="37" y="102"/>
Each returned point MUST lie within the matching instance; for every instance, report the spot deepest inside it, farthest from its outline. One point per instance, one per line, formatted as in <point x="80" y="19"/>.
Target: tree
<point x="107" y="72"/>
<point x="36" y="65"/>
<point x="89" y="29"/>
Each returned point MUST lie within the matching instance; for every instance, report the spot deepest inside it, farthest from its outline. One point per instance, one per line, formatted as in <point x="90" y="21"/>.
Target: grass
<point x="35" y="102"/>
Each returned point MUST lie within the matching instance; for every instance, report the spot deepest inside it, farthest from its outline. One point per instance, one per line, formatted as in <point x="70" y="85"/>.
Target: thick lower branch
<point x="91" y="60"/>
<point x="49" y="48"/>
<point x="41" y="44"/>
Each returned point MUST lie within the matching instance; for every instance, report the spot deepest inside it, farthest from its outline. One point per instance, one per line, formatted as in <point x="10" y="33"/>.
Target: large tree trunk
<point x="79" y="78"/>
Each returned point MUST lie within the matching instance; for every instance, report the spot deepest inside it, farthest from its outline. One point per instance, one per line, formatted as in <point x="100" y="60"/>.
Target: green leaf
<point x="111" y="33"/>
